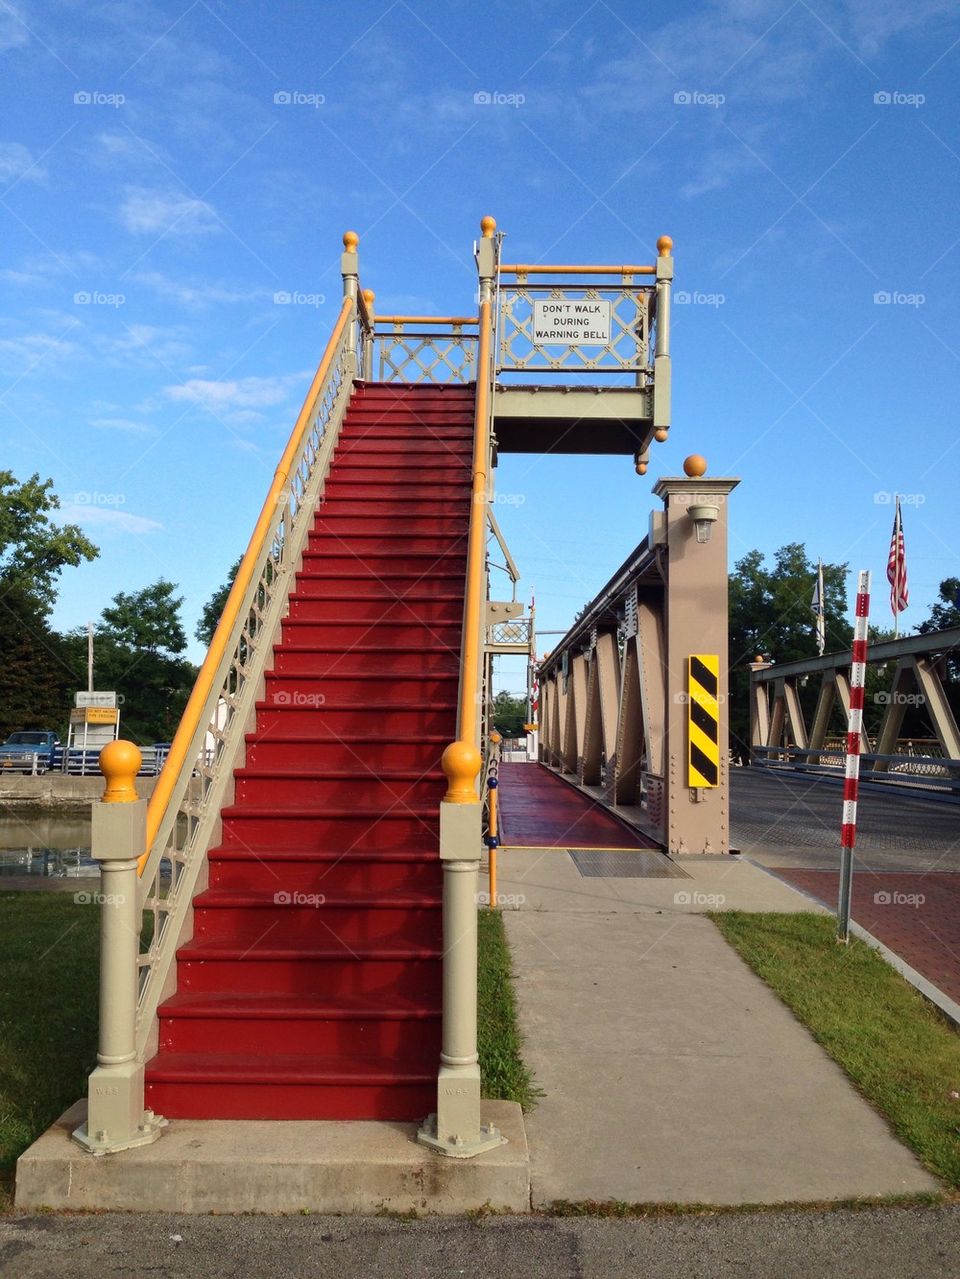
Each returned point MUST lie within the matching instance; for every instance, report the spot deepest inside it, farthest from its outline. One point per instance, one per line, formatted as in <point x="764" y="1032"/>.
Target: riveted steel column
<point x="116" y="1118"/>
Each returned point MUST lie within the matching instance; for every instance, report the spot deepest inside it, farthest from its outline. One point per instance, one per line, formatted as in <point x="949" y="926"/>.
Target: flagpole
<point x="898" y="533"/>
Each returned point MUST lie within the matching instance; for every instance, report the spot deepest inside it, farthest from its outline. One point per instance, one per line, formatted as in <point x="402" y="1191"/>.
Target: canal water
<point x="49" y="844"/>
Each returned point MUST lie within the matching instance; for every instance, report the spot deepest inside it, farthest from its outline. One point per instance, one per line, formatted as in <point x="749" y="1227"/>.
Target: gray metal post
<point x="350" y="270"/>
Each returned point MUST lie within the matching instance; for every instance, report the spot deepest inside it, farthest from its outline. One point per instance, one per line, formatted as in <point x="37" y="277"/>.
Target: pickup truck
<point x="28" y="752"/>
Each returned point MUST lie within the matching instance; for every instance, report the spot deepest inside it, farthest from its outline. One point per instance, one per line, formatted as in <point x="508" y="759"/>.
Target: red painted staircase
<point x="311" y="988"/>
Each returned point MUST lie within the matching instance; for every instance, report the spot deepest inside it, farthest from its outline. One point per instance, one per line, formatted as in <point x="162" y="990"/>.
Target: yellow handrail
<point x="540" y="268"/>
<point x="477" y="540"/>
<point x="190" y="720"/>
<point x="427" y="319"/>
<point x="462" y="760"/>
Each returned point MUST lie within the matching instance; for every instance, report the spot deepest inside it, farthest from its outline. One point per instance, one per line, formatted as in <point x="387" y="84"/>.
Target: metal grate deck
<point x="604" y="863"/>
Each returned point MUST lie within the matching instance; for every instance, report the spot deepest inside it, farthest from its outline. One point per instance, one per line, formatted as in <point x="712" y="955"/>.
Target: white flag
<point x="818" y="610"/>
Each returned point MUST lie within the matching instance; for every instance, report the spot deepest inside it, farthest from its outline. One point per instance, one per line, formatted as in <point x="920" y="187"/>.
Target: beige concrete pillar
<point x="116" y="1118"/>
<point x="695" y="534"/>
<point x="455" y="1129"/>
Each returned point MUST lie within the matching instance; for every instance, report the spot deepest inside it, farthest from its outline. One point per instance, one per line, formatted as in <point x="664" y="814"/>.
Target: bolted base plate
<point x="490" y="1137"/>
<point x="146" y="1134"/>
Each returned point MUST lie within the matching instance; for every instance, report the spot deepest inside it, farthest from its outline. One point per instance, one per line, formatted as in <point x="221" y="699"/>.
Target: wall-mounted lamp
<point x="704" y="518"/>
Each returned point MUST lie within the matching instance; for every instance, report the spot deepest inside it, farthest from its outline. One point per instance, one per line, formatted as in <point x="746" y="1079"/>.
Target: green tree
<point x="213" y="608"/>
<point x="509" y="714"/>
<point x="36" y="675"/>
<point x="137" y="652"/>
<point x="946" y="611"/>
<point x="33" y="549"/>
<point x="147" y="620"/>
<point x="771" y="616"/>
<point x="37" y="678"/>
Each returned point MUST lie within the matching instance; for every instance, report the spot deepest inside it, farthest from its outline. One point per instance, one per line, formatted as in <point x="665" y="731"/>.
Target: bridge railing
<point x="779" y="732"/>
<point x="611" y="322"/>
<point x="939" y="773"/>
<point x="570" y="319"/>
<point x="416" y="348"/>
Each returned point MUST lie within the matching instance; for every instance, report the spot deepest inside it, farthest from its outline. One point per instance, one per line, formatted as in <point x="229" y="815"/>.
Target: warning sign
<point x="581" y="322"/>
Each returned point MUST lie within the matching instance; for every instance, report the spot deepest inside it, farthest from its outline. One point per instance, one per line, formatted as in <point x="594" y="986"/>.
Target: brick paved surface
<point x="916" y="915"/>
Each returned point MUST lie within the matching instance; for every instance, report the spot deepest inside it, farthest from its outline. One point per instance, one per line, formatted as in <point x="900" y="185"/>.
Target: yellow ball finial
<point x="120" y="762"/>
<point x="661" y="434"/>
<point x="641" y="468"/>
<point x="350" y="241"/>
<point x="368" y="297"/>
<point x="664" y="246"/>
<point x="695" y="466"/>
<point x="461" y="762"/>
<point x="488" y="225"/>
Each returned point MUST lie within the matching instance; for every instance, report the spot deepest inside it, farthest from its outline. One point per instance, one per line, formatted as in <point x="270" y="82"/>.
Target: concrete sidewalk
<point x="672" y="1073"/>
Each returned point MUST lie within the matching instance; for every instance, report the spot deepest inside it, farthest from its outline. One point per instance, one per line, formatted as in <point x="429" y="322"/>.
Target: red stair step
<point x="307" y="870"/>
<point x="395" y="829"/>
<point x="357" y="750"/>
<point x="303" y="918"/>
<point x="420" y="605"/>
<point x="348" y="631"/>
<point x="288" y="1086"/>
<point x="342" y="1026"/>
<point x="287" y="788"/>
<point x="306" y="659"/>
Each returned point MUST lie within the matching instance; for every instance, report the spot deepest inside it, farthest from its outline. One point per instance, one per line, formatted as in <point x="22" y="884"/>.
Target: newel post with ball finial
<point x="350" y="270"/>
<point x="116" y="1117"/>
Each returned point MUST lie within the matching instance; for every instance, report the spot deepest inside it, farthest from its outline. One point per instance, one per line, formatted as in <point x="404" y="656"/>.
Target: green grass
<point x="49" y="958"/>
<point x="898" y="1050"/>
<point x="503" y="1073"/>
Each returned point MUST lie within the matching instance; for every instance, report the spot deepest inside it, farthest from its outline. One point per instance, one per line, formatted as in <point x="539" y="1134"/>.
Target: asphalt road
<point x="781" y="819"/>
<point x="893" y="1243"/>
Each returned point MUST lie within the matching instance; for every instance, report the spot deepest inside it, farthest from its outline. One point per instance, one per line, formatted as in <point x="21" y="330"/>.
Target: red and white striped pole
<point x="851" y="784"/>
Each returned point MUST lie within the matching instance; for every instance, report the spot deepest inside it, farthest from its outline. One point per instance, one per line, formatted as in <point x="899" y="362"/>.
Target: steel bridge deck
<point x="538" y="810"/>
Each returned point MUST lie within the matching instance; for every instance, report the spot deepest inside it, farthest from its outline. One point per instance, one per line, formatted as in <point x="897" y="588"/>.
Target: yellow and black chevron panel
<point x="703" y="715"/>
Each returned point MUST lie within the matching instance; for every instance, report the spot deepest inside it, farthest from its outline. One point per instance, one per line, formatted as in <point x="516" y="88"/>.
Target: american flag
<point x="897" y="567"/>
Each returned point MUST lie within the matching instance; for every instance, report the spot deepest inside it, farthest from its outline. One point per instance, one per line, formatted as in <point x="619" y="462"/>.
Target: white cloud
<point x="13" y="34"/>
<point x="240" y="398"/>
<point x="21" y="353"/>
<point x="144" y="343"/>
<point x="717" y="168"/>
<point x="107" y="517"/>
<point x="147" y="211"/>
<point x="17" y="162"/>
<point x="198" y="295"/>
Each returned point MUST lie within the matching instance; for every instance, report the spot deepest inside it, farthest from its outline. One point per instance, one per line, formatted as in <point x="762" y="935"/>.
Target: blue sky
<point x="805" y="157"/>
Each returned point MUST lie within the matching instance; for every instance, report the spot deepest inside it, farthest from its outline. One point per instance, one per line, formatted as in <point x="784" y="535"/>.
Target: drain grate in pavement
<point x="603" y="863"/>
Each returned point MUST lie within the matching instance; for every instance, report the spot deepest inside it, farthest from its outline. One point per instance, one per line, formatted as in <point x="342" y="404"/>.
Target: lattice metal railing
<point x="178" y="852"/>
<point x="558" y="328"/>
<point x="402" y="349"/>
<point x="516" y="631"/>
